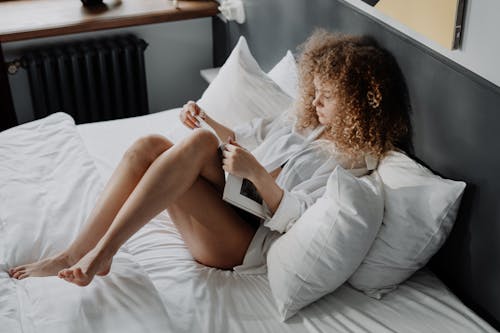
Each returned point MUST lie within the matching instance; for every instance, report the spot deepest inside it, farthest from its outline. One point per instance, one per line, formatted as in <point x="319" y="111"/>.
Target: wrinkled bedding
<point x="51" y="173"/>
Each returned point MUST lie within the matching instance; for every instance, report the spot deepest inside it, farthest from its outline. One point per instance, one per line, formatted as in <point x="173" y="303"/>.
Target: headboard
<point x="456" y="124"/>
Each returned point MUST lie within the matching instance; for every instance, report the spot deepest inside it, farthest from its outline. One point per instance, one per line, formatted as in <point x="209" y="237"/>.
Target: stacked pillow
<point x="420" y="209"/>
<point x="327" y="243"/>
<point x="338" y="238"/>
<point x="241" y="91"/>
<point x="285" y="74"/>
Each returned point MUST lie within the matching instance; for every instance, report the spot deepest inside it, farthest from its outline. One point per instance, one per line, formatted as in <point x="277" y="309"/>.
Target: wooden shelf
<point x="28" y="19"/>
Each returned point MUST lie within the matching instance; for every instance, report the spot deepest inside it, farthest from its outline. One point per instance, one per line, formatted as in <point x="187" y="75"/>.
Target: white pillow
<point x="327" y="243"/>
<point x="285" y="74"/>
<point x="242" y="91"/>
<point x="420" y="209"/>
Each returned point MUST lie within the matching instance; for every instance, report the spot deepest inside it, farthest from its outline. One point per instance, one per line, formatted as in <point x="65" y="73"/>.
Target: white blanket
<point x="49" y="184"/>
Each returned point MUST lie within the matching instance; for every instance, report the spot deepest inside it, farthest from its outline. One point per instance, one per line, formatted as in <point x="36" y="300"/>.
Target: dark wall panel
<point x="456" y="124"/>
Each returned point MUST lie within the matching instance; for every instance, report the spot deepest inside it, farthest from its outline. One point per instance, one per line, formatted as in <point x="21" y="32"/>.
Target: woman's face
<point x="324" y="101"/>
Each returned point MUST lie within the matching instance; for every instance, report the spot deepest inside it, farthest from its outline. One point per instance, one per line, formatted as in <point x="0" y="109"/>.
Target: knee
<point x="146" y="149"/>
<point x="203" y="140"/>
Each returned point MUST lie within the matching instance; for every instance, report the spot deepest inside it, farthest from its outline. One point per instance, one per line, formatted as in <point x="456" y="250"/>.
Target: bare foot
<point x="46" y="267"/>
<point x="82" y="273"/>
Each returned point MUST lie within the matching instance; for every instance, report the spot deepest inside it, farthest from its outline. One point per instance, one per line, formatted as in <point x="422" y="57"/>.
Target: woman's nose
<point x="316" y="101"/>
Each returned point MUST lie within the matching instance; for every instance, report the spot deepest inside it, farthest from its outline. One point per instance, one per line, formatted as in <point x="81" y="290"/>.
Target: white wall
<point x="480" y="50"/>
<point x="176" y="53"/>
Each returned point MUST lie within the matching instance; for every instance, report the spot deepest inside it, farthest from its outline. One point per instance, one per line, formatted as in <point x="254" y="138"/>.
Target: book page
<point x="242" y="193"/>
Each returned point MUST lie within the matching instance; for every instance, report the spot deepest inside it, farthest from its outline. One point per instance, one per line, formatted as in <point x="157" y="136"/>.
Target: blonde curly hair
<point x="374" y="110"/>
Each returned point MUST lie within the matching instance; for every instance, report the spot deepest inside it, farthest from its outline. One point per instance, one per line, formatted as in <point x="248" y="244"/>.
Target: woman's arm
<point x="270" y="192"/>
<point x="222" y="131"/>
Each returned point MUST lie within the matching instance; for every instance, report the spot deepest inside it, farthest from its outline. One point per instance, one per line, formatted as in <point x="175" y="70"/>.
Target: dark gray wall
<point x="456" y="125"/>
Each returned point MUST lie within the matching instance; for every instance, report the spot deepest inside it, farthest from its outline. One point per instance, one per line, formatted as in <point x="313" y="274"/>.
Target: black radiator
<point x="92" y="80"/>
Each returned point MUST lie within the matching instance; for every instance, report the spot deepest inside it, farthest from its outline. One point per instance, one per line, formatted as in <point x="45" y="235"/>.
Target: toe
<point x="69" y="274"/>
<point x="14" y="270"/>
<point x="17" y="274"/>
<point x="65" y="273"/>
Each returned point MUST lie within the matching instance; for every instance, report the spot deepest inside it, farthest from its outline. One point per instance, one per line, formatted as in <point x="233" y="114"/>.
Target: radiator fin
<point x="92" y="80"/>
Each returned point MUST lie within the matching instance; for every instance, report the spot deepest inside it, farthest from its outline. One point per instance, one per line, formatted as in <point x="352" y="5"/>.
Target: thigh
<point x="214" y="232"/>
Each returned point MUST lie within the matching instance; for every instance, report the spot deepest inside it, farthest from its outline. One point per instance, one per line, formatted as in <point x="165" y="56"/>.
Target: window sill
<point x="28" y="19"/>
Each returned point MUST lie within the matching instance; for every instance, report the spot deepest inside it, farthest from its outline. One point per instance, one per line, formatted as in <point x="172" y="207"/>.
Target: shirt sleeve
<point x="251" y="134"/>
<point x="295" y="202"/>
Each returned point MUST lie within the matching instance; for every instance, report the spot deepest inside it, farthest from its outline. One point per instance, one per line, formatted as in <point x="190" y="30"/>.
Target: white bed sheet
<point x="209" y="300"/>
<point x="49" y="184"/>
<point x="154" y="284"/>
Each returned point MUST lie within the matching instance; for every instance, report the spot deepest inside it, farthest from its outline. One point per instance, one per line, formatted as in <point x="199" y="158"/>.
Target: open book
<point x="238" y="191"/>
<point x="242" y="193"/>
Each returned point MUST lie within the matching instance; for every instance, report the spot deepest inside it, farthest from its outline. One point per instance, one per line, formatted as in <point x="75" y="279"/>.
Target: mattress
<point x="51" y="173"/>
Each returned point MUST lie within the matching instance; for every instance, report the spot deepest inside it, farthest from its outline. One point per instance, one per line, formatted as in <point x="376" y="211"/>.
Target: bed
<point x="52" y="171"/>
<point x="155" y="285"/>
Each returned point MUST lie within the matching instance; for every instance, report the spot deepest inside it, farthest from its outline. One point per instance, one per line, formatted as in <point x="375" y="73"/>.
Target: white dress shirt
<point x="309" y="163"/>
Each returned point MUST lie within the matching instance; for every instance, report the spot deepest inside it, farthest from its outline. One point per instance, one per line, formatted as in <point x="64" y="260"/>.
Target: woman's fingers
<point x="187" y="115"/>
<point x="230" y="147"/>
<point x="185" y="120"/>
<point x="192" y="119"/>
<point x="193" y="108"/>
<point x="189" y="123"/>
<point x="233" y="157"/>
<point x="190" y="113"/>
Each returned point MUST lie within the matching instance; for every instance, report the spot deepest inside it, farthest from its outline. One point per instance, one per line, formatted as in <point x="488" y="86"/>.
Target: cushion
<point x="327" y="243"/>
<point x="420" y="209"/>
<point x="38" y="160"/>
<point x="285" y="74"/>
<point x="242" y="91"/>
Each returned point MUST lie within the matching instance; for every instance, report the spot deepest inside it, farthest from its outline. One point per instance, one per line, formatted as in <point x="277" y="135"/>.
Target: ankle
<point x="70" y="256"/>
<point x="65" y="257"/>
<point x="105" y="250"/>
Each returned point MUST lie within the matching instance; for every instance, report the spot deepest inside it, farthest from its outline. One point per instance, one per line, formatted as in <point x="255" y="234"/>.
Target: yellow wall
<point x="432" y="18"/>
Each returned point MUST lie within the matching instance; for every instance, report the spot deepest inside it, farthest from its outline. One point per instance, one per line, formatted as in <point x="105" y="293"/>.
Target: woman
<point x="353" y="108"/>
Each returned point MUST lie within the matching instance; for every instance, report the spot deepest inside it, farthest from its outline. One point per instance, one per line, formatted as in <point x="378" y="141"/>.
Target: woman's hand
<point x="240" y="162"/>
<point x="188" y="114"/>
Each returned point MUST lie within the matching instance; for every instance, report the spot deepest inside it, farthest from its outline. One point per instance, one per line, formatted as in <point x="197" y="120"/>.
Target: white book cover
<point x="238" y="191"/>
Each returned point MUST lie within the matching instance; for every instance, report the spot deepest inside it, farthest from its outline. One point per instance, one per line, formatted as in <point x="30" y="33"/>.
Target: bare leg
<point x="170" y="176"/>
<point x="214" y="233"/>
<point x="134" y="164"/>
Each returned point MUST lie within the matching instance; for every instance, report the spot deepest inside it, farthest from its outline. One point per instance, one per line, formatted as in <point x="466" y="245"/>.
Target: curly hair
<point x="374" y="110"/>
